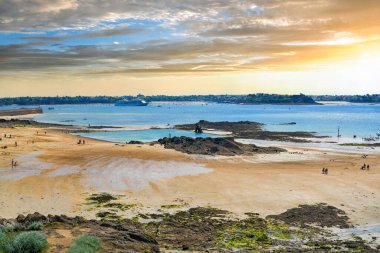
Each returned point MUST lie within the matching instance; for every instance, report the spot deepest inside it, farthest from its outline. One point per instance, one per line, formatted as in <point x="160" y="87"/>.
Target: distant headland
<point x="259" y="98"/>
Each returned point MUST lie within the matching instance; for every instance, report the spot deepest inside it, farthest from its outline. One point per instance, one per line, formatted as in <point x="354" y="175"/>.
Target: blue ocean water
<point x="142" y="135"/>
<point x="353" y="119"/>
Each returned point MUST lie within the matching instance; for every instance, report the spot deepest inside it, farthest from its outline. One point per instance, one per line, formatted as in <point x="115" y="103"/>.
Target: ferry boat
<point x="131" y="102"/>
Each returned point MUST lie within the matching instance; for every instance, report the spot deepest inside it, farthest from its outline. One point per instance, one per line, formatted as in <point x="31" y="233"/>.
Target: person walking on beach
<point x="367" y="167"/>
<point x="12" y="163"/>
<point x="83" y="142"/>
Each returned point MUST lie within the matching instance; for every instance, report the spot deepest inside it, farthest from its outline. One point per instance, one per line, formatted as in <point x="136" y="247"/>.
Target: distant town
<point x="259" y="98"/>
<point x="374" y="98"/>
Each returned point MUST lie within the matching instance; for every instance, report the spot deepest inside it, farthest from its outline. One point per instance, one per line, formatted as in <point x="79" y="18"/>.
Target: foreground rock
<point x="322" y="215"/>
<point x="215" y="146"/>
<point x="250" y="130"/>
<point x="197" y="229"/>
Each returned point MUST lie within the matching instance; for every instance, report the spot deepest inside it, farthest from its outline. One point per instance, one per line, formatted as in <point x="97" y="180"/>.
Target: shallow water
<point x="135" y="174"/>
<point x="323" y="145"/>
<point x="362" y="120"/>
<point x="29" y="165"/>
<point x="370" y="233"/>
<point x="142" y="135"/>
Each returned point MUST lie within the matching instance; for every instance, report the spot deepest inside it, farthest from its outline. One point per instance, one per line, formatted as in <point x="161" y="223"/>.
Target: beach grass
<point x="85" y="244"/>
<point x="29" y="242"/>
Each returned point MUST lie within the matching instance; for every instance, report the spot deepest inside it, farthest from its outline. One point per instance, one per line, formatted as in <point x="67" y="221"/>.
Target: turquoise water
<point x="360" y="119"/>
<point x="142" y="135"/>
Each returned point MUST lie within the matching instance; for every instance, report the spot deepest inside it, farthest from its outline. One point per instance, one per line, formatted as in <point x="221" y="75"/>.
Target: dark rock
<point x="214" y="146"/>
<point x="35" y="217"/>
<point x="55" y="218"/>
<point x="320" y="214"/>
<point x="65" y="219"/>
<point x="135" y="142"/>
<point x="155" y="249"/>
<point x="251" y="130"/>
<point x="141" y="237"/>
<point x="208" y="229"/>
<point x="101" y="198"/>
<point x="20" y="218"/>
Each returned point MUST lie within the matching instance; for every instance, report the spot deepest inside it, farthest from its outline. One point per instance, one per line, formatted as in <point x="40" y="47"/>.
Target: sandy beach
<point x="55" y="175"/>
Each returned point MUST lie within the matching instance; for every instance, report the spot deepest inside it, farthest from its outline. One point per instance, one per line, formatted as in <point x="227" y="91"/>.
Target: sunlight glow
<point x="336" y="42"/>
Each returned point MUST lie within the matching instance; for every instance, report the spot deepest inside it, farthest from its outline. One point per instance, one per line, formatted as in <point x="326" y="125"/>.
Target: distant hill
<point x="374" y="98"/>
<point x="259" y="98"/>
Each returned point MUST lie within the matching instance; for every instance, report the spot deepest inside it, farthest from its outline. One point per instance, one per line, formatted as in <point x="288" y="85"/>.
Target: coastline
<point x="250" y="183"/>
<point x="24" y="117"/>
<point x="20" y="111"/>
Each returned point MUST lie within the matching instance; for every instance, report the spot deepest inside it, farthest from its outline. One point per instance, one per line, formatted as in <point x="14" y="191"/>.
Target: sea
<point x="362" y="120"/>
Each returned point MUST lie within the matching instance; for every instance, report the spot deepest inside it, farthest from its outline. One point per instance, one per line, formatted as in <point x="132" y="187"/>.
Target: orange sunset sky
<point x="109" y="47"/>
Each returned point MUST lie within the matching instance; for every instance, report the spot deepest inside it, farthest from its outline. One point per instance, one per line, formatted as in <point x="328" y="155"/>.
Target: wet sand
<point x="55" y="175"/>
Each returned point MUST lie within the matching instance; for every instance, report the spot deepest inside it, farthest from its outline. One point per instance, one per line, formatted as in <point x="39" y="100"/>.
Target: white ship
<point x="131" y="102"/>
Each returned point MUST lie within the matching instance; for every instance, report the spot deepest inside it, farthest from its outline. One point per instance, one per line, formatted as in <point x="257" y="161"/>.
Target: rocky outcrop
<point x="214" y="146"/>
<point x="321" y="214"/>
<point x="135" y="142"/>
<point x="35" y="217"/>
<point x="207" y="229"/>
<point x="250" y="130"/>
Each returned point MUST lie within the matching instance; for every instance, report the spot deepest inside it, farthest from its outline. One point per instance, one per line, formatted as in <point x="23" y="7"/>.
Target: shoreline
<point x="20" y="112"/>
<point x="317" y="142"/>
<point x="261" y="183"/>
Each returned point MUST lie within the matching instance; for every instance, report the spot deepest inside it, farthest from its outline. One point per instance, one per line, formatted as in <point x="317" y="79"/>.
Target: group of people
<point x="81" y="141"/>
<point x="7" y="136"/>
<point x="325" y="171"/>
<point x="365" y="167"/>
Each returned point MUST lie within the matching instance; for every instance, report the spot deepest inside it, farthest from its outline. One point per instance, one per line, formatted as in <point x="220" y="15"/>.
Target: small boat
<point x="51" y="108"/>
<point x="131" y="102"/>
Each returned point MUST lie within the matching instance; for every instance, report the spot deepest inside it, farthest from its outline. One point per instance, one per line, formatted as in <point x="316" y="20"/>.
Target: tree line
<point x="259" y="98"/>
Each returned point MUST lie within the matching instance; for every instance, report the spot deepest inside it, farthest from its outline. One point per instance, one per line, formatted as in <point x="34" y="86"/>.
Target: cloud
<point x="93" y="34"/>
<point x="110" y="32"/>
<point x="159" y="57"/>
<point x="216" y="36"/>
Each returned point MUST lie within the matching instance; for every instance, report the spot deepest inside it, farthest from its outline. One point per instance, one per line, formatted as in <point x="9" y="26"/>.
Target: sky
<point x="123" y="47"/>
